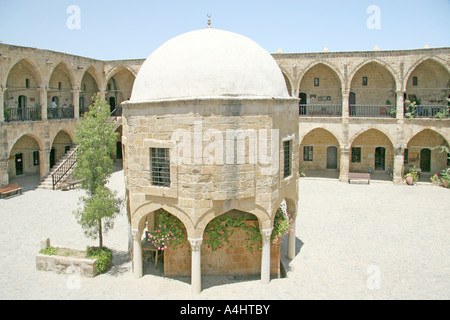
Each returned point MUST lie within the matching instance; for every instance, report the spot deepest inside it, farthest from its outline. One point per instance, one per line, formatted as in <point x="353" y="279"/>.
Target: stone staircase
<point x="63" y="169"/>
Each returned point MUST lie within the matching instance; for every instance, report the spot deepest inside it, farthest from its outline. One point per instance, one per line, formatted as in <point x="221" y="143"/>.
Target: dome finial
<point x="209" y="20"/>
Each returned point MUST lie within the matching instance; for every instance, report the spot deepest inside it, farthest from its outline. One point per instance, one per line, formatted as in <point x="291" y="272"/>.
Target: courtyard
<point x="354" y="241"/>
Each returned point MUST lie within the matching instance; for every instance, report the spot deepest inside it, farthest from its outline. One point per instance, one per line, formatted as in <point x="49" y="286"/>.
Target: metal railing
<point x="429" y="111"/>
<point x="376" y="111"/>
<point x="320" y="110"/>
<point x="71" y="161"/>
<point x="64" y="168"/>
<point x="60" y="113"/>
<point x="23" y="114"/>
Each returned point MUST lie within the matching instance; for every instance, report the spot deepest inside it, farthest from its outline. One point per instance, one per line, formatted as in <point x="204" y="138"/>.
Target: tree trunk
<point x="100" y="235"/>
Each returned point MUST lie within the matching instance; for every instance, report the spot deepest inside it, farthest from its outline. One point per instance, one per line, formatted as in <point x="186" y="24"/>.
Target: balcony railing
<point x="375" y="111"/>
<point x="427" y="111"/>
<point x="60" y="113"/>
<point x="320" y="110"/>
<point x="23" y="114"/>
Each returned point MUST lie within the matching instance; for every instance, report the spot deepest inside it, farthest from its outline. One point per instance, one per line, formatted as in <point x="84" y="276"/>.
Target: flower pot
<point x="409" y="181"/>
<point x="445" y="183"/>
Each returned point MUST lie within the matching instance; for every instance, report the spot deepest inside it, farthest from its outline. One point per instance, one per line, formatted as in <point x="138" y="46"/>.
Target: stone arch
<point x="376" y="151"/>
<point x="317" y="141"/>
<point x="141" y="213"/>
<point x="14" y="141"/>
<point x="427" y="139"/>
<point x="421" y="60"/>
<point x="63" y="64"/>
<point x="263" y="217"/>
<point x="33" y="68"/>
<point x="26" y="145"/>
<point x="385" y="65"/>
<point x="288" y="83"/>
<point x="328" y="130"/>
<point x="432" y="82"/>
<point x="314" y="64"/>
<point x="370" y="128"/>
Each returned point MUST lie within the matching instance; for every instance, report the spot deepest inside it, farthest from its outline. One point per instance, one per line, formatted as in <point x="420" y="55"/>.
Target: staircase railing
<point x="70" y="162"/>
<point x="64" y="168"/>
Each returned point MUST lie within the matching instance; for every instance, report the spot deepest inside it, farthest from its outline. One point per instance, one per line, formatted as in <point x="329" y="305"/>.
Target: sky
<point x="133" y="29"/>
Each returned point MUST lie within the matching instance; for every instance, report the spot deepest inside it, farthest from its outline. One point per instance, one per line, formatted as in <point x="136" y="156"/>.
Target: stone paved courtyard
<point x="347" y="235"/>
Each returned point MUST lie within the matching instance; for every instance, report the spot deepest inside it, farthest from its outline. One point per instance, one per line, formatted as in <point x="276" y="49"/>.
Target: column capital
<point x="196" y="244"/>
<point x="266" y="234"/>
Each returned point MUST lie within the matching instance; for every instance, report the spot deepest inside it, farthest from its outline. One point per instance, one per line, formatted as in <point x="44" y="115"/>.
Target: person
<point x="54" y="106"/>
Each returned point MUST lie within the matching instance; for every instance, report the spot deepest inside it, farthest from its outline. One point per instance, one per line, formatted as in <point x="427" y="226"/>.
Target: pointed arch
<point x="383" y="64"/>
<point x="25" y="62"/>
<point x="314" y="64"/>
<point x="65" y="68"/>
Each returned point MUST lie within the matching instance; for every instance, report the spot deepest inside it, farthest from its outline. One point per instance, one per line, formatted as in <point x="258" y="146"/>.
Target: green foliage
<point x="103" y="255"/>
<point x="96" y="140"/>
<point x="49" y="251"/>
<point x="98" y="213"/>
<point x="169" y="232"/>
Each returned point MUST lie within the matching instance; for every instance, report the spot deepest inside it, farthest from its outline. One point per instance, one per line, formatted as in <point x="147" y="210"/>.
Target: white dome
<point x="208" y="63"/>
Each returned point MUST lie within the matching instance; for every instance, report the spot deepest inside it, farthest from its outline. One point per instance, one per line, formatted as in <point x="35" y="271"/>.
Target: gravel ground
<point x="376" y="241"/>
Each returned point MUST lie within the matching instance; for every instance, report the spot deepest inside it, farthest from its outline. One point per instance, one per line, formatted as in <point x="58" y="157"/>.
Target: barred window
<point x="308" y="153"/>
<point x="356" y="154"/>
<point x="287" y="158"/>
<point x="160" y="167"/>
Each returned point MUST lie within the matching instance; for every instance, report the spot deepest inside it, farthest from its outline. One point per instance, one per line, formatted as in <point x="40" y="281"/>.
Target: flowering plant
<point x="169" y="232"/>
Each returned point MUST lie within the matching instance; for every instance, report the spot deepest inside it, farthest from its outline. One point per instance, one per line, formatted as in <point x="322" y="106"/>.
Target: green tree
<point x="96" y="140"/>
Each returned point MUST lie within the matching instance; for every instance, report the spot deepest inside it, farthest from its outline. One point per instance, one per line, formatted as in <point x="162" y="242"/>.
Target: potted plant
<point x="411" y="177"/>
<point x="445" y="177"/>
<point x="435" y="179"/>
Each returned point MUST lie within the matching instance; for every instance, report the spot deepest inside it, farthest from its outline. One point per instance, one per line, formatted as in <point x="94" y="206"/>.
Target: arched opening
<point x="60" y="97"/>
<point x="119" y="88"/>
<point x="423" y="153"/>
<point x="165" y="248"/>
<point x="24" y="161"/>
<point x="89" y="88"/>
<point x="22" y="97"/>
<point x="374" y="85"/>
<point x="319" y="154"/>
<point x="372" y="151"/>
<point x="61" y="146"/>
<point x="322" y="91"/>
<point x="428" y="85"/>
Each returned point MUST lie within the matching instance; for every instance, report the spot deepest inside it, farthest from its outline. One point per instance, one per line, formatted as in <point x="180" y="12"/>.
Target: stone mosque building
<point x="327" y="113"/>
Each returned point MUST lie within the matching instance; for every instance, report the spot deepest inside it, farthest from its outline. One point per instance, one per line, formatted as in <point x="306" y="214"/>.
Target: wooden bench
<point x="10" y="190"/>
<point x="72" y="184"/>
<point x="356" y="176"/>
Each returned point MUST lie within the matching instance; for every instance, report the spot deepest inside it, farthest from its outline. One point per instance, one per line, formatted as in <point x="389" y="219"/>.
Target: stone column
<point x="2" y="102"/>
<point x="345" y="104"/>
<point x="4" y="178"/>
<point x="196" y="265"/>
<point x="44" y="163"/>
<point x="137" y="254"/>
<point x="265" y="256"/>
<point x="344" y="168"/>
<point x="399" y="159"/>
<point x="76" y="103"/>
<point x="43" y="97"/>
<point x="400" y="104"/>
<point x="291" y="239"/>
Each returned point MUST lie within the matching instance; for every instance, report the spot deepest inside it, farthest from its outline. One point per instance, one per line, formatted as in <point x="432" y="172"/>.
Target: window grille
<point x="287" y="158"/>
<point x="308" y="153"/>
<point x="356" y="154"/>
<point x="160" y="167"/>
